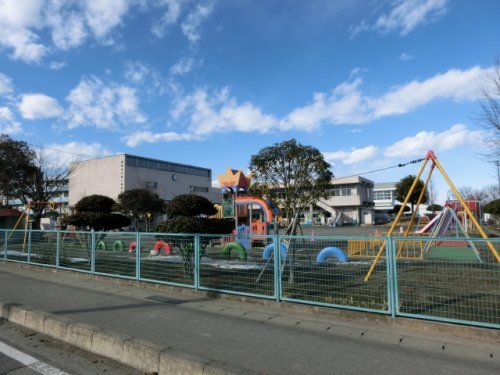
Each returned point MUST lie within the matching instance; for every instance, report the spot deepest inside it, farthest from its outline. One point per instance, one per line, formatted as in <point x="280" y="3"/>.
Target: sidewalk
<point x="266" y="339"/>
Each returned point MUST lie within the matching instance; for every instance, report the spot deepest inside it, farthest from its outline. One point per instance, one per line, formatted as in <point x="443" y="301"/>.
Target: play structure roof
<point x="234" y="177"/>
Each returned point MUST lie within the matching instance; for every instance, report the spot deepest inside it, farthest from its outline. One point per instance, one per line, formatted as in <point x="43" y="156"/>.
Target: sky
<point x="369" y="83"/>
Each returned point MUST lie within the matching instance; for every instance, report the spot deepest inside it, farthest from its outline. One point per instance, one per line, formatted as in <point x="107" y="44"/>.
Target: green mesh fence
<point x="331" y="270"/>
<point x="43" y="247"/>
<point x="17" y="245"/>
<point x="456" y="279"/>
<point x="76" y="250"/>
<point x="167" y="258"/>
<point x="235" y="264"/>
<point x="453" y="280"/>
<point x="112" y="256"/>
<point x="3" y="243"/>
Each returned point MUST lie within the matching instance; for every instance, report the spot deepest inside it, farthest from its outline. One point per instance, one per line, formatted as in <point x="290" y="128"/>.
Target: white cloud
<point x="205" y="112"/>
<point x="191" y="25"/>
<point x="69" y="22"/>
<point x="39" y="106"/>
<point x="57" y="65"/>
<point x="346" y="104"/>
<point x="8" y="124"/>
<point x="221" y="113"/>
<point x="93" y="103"/>
<point x="356" y="155"/>
<point x="5" y="84"/>
<point x="405" y="56"/>
<point x="457" y="135"/>
<point x="405" y="16"/>
<point x="169" y="18"/>
<point x="136" y="71"/>
<point x="137" y="138"/>
<point x="17" y="18"/>
<point x="62" y="154"/>
<point x="183" y="66"/>
<point x="103" y="16"/>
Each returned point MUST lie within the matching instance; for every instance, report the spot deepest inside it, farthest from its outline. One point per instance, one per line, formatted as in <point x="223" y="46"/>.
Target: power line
<point x="59" y="150"/>
<point x="400" y="165"/>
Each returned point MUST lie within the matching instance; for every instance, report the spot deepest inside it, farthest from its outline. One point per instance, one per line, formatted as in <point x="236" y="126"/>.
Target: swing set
<point x="434" y="164"/>
<point x="26" y="215"/>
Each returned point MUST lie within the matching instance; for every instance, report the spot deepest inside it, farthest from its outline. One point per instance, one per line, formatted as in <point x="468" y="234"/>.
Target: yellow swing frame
<point x="26" y="214"/>
<point x="430" y="156"/>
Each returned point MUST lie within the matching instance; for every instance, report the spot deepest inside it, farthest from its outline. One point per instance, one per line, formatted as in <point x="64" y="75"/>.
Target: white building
<point x="112" y="175"/>
<point x="384" y="196"/>
<point x="350" y="201"/>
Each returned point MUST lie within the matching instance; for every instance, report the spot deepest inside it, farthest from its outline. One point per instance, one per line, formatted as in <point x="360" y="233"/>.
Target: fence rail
<point x="447" y="279"/>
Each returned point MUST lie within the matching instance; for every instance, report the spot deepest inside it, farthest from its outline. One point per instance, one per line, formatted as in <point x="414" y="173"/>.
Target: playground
<point x="446" y="268"/>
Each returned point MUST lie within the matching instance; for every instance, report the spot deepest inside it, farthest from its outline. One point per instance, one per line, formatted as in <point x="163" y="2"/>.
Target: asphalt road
<point x="194" y="325"/>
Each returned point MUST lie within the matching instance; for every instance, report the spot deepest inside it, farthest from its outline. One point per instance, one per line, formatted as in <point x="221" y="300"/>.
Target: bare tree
<point x="484" y="195"/>
<point x="432" y="191"/>
<point x="489" y="115"/>
<point x="46" y="180"/>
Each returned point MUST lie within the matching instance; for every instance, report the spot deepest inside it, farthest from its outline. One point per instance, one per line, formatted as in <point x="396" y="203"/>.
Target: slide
<point x="429" y="224"/>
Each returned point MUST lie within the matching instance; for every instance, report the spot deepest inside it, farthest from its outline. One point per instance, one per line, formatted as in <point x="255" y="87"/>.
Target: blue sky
<point x="369" y="83"/>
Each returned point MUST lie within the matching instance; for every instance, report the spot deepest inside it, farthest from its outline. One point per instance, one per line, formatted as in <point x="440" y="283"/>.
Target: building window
<point x="150" y="185"/>
<point x="198" y="189"/>
<point x="382" y="195"/>
<point x="135" y="161"/>
<point x="343" y="191"/>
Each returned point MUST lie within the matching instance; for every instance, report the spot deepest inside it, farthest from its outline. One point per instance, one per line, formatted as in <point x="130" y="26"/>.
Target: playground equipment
<point x="26" y="215"/>
<point x="445" y="220"/>
<point x="331" y="252"/>
<point x="252" y="215"/>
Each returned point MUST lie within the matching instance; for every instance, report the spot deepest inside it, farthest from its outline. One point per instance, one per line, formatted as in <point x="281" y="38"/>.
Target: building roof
<point x="351" y="180"/>
<point x="8" y="212"/>
<point x="384" y="185"/>
<point x="156" y="164"/>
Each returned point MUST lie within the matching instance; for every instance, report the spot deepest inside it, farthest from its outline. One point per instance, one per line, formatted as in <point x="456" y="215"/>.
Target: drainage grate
<point x="162" y="299"/>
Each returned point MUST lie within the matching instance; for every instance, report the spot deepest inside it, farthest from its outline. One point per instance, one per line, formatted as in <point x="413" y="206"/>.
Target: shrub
<point x="95" y="203"/>
<point x="492" y="208"/>
<point x="434" y="207"/>
<point x="190" y="205"/>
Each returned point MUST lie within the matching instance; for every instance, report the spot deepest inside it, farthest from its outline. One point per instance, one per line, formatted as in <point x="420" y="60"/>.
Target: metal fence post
<point x="5" y="244"/>
<point x="29" y="245"/>
<point x="58" y="247"/>
<point x="389" y="249"/>
<point x="138" y="256"/>
<point x="92" y="254"/>
<point x="197" y="260"/>
<point x="277" y="267"/>
<point x="395" y="293"/>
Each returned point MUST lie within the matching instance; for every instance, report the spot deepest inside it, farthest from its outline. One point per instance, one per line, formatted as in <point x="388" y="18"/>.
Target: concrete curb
<point x="137" y="353"/>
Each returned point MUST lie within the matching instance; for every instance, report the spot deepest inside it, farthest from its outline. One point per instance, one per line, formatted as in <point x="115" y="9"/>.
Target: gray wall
<point x="166" y="187"/>
<point x="97" y="176"/>
<point x="110" y="176"/>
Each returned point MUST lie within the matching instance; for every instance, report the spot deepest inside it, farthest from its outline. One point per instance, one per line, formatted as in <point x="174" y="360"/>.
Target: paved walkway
<point x="252" y="336"/>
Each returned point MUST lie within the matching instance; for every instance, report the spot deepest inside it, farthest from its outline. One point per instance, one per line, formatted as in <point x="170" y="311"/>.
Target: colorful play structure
<point x="253" y="216"/>
<point x="437" y="228"/>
